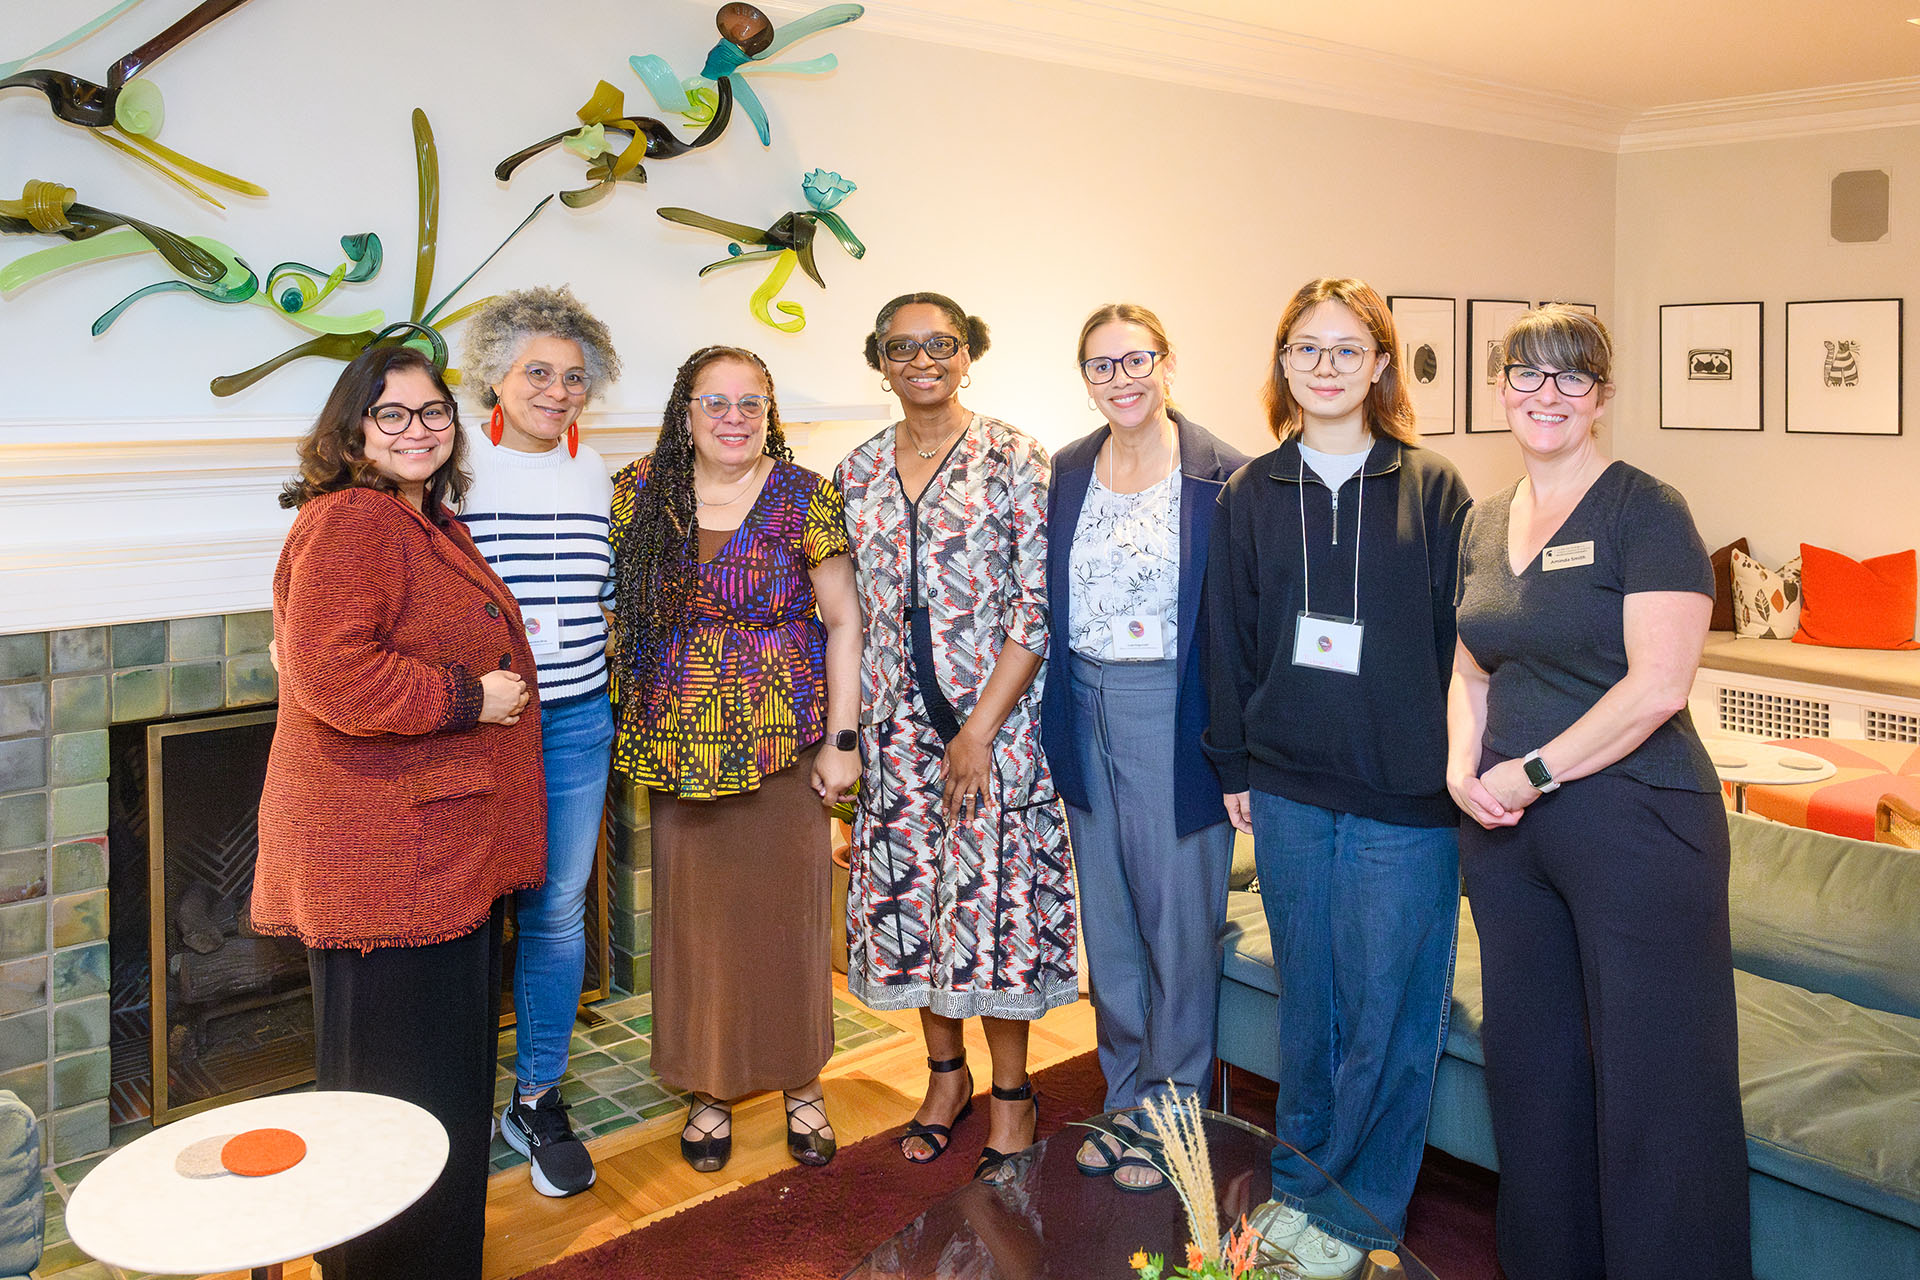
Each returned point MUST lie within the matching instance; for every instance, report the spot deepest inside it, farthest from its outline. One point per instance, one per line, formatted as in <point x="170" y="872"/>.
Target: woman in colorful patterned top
<point x="737" y="652"/>
<point x="961" y="895"/>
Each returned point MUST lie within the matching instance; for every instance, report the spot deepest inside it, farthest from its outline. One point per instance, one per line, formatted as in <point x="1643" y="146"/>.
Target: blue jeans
<point x="1362" y="915"/>
<point x="550" y="922"/>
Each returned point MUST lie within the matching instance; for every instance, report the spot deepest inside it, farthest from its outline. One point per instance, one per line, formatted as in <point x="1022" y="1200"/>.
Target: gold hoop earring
<point x="886" y="385"/>
<point x="966" y="380"/>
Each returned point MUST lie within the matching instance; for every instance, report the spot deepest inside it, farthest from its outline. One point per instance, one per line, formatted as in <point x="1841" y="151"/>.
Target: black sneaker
<point x="561" y="1165"/>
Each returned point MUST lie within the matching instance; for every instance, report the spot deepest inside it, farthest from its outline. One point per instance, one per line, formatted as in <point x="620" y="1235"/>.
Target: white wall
<point x="1737" y="223"/>
<point x="1031" y="192"/>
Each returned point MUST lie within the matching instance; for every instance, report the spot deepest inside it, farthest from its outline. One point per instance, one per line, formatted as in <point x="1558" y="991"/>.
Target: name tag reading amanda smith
<point x="1568" y="555"/>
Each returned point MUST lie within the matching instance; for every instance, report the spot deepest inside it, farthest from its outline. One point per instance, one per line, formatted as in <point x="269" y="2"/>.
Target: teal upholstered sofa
<point x="1826" y="941"/>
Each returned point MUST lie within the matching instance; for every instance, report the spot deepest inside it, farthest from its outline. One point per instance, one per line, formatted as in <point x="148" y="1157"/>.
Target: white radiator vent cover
<point x="1891" y="726"/>
<point x="1773" y="715"/>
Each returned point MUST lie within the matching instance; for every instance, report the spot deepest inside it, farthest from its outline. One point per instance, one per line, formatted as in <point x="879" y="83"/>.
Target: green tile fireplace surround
<point x="60" y="691"/>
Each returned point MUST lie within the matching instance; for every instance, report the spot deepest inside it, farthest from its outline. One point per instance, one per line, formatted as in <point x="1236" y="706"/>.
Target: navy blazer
<point x="1205" y="464"/>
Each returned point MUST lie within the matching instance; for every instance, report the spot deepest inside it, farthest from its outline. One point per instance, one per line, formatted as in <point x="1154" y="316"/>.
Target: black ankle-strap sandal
<point x="993" y="1167"/>
<point x="938" y="1136"/>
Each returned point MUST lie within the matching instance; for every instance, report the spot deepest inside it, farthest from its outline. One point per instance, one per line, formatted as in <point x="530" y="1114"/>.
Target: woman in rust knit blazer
<point x="404" y="797"/>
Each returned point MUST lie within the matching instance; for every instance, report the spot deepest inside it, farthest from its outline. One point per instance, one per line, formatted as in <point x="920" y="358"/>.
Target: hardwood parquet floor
<point x="641" y="1175"/>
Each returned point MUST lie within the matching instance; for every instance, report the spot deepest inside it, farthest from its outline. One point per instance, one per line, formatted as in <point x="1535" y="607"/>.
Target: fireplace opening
<point x="204" y="1010"/>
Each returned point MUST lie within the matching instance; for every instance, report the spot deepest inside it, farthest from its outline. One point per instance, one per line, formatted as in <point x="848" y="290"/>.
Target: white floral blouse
<point x="1125" y="560"/>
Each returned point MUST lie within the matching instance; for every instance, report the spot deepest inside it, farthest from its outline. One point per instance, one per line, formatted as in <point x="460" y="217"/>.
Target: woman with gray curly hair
<point x="539" y="514"/>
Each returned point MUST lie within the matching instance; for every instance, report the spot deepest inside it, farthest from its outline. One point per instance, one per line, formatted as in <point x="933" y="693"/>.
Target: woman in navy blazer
<point x="1129" y="514"/>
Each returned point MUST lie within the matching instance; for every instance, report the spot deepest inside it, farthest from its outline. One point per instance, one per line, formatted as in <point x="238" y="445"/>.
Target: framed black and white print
<point x="1844" y="374"/>
<point x="1426" y="359"/>
<point x="1487" y="322"/>
<point x="1712" y="366"/>
<point x="1587" y="307"/>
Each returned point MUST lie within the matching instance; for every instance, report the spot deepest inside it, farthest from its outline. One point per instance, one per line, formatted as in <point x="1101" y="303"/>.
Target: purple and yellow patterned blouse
<point x="744" y="684"/>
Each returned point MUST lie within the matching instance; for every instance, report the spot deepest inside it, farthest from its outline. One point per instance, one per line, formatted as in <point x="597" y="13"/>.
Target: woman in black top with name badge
<point x="1596" y="859"/>
<point x="1331" y="752"/>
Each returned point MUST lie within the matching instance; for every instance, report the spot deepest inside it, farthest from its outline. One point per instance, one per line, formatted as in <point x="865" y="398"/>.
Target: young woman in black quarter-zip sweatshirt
<point x="1330" y="601"/>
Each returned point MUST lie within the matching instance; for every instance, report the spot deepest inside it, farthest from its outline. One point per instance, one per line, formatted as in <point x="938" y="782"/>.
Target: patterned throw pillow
<point x="1766" y="602"/>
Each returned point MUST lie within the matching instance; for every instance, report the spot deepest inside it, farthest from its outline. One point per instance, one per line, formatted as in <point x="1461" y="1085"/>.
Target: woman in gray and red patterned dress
<point x="961" y="897"/>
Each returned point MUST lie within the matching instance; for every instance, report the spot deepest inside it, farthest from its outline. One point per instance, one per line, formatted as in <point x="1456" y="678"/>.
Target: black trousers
<point x="1610" y="1035"/>
<point x="421" y="1024"/>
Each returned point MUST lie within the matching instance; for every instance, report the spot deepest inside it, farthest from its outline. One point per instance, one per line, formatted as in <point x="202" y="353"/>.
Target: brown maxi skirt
<point x="742" y="971"/>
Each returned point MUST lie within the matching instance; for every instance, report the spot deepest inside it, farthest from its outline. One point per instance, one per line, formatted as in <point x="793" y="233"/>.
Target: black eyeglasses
<point x="717" y="406"/>
<point x="1304" y="357"/>
<point x="1135" y="364"/>
<point x="1525" y="379"/>
<point x="394" y="419"/>
<point x="941" y="346"/>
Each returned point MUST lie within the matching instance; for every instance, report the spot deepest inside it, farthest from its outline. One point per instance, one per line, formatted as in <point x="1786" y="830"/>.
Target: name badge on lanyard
<point x="1329" y="643"/>
<point x="543" y="629"/>
<point x="1322" y="640"/>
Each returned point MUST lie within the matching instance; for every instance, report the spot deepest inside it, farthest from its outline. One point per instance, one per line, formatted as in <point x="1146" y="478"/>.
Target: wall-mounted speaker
<point x="1859" y="208"/>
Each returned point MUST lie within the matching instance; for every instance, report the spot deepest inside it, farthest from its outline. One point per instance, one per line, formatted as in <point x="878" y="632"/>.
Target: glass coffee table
<point x="1052" y="1222"/>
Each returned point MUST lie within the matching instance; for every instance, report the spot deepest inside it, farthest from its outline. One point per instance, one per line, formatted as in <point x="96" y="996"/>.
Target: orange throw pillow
<point x="1856" y="604"/>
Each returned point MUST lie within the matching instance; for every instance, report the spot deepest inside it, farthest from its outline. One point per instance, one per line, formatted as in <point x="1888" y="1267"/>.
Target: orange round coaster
<point x="259" y="1152"/>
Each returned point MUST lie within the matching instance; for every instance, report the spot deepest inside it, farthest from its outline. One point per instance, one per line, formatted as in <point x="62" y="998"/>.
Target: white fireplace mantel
<point x="124" y="521"/>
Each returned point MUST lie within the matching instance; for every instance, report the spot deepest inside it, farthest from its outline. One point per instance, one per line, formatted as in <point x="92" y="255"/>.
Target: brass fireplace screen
<point x="231" y="1011"/>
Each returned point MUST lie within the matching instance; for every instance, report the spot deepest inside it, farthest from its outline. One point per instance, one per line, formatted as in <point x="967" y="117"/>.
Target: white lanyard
<point x="1360" y="510"/>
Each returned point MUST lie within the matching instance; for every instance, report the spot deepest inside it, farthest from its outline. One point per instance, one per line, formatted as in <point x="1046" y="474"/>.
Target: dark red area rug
<point x="815" y="1224"/>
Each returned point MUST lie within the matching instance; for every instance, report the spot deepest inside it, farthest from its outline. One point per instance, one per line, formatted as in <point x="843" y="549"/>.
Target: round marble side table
<point x="368" y="1157"/>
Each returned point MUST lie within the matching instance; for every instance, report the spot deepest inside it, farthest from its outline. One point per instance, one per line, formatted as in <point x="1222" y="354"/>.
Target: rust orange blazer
<point x="392" y="817"/>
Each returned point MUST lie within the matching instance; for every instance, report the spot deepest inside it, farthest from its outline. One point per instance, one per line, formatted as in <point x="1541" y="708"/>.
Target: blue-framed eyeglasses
<point x="718" y="406"/>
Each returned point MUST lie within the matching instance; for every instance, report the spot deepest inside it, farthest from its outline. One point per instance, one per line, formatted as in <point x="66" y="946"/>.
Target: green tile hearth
<point x="197" y="686"/>
<point x="139" y="644"/>
<point x="79" y="649"/>
<point x="249" y="632"/>
<point x="189" y="638"/>
<point x="79" y="703"/>
<point x="23" y="657"/>
<point x="139" y="694"/>
<point x="79" y="757"/>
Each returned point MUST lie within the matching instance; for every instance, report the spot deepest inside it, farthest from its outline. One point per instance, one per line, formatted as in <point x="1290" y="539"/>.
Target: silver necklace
<point x="752" y="474"/>
<point x="928" y="453"/>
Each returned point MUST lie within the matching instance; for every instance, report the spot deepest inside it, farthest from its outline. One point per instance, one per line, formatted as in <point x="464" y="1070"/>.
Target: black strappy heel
<point x="938" y="1136"/>
<point x="810" y="1145"/>
<point x="710" y="1153"/>
<point x="992" y="1168"/>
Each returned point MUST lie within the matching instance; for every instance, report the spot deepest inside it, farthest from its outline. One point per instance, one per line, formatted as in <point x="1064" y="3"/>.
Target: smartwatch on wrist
<point x="845" y="740"/>
<point x="1538" y="774"/>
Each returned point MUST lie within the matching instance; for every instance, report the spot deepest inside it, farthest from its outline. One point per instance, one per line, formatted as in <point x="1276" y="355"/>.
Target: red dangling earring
<point x="573" y="440"/>
<point x="496" y="424"/>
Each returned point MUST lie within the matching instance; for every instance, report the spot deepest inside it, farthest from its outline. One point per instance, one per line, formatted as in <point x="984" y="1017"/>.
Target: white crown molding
<point x="1844" y="108"/>
<point x="1162" y="42"/>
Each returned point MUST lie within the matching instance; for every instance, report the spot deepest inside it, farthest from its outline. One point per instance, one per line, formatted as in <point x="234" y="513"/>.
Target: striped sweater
<point x="540" y="519"/>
